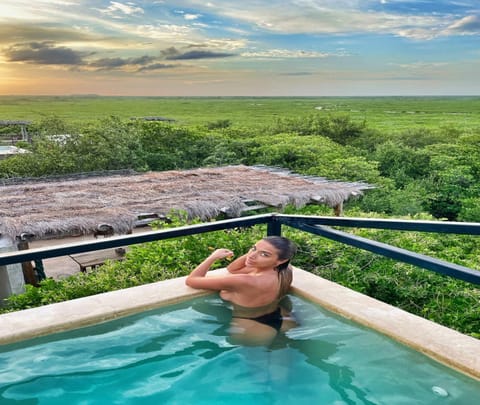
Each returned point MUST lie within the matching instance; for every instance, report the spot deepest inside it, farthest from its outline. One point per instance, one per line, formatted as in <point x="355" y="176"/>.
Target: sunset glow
<point x="258" y="48"/>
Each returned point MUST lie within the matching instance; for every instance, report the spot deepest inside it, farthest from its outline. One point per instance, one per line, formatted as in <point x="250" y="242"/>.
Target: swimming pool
<point x="182" y="354"/>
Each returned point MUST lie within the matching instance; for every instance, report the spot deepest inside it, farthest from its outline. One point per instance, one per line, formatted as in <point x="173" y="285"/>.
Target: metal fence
<point x="317" y="225"/>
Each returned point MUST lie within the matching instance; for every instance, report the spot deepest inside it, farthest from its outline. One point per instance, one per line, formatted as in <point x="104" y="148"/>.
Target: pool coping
<point x="443" y="344"/>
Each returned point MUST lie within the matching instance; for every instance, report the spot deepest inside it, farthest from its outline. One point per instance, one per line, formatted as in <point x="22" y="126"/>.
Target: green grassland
<point x="390" y="114"/>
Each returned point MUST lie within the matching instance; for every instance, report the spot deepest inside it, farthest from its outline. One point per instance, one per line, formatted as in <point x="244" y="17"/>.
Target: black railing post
<point x="274" y="227"/>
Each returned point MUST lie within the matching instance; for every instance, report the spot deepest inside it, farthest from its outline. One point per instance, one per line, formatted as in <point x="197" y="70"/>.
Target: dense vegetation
<point x="420" y="171"/>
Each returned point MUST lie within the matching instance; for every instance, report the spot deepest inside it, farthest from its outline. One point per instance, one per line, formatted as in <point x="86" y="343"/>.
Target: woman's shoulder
<point x="241" y="270"/>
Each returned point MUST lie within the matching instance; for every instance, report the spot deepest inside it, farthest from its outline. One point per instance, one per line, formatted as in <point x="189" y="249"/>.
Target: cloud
<point x="190" y="17"/>
<point x="296" y="74"/>
<point x="420" y="66"/>
<point x="141" y="64"/>
<point x="174" y="54"/>
<point x="338" y="17"/>
<point x="48" y="53"/>
<point x="284" y="54"/>
<point x="156" y="66"/>
<point x="24" y="32"/>
<point x="164" y="32"/>
<point x="198" y="54"/>
<point x="116" y="8"/>
<point x="115" y="63"/>
<point x="467" y="25"/>
<point x="43" y="53"/>
<point x="229" y="44"/>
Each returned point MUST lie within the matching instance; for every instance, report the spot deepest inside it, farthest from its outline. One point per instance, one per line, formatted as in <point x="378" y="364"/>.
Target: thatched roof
<point x="54" y="209"/>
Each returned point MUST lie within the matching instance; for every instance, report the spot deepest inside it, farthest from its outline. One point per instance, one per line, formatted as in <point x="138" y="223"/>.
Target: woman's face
<point x="262" y="255"/>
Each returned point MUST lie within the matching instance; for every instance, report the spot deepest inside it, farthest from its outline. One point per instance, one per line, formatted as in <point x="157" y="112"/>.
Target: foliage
<point x="448" y="189"/>
<point x="107" y="145"/>
<point x="339" y="128"/>
<point x="218" y="124"/>
<point x="387" y="115"/>
<point x="422" y="155"/>
<point x="167" y="147"/>
<point x="470" y="211"/>
<point x="401" y="163"/>
<point x="414" y="168"/>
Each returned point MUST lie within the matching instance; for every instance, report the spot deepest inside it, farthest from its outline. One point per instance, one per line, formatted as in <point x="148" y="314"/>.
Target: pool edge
<point x="76" y="313"/>
<point x="444" y="345"/>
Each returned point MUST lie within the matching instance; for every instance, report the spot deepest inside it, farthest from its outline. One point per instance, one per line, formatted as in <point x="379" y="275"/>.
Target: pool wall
<point x="438" y="342"/>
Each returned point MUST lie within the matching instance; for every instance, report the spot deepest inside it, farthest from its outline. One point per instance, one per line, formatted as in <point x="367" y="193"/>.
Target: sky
<point x="240" y="48"/>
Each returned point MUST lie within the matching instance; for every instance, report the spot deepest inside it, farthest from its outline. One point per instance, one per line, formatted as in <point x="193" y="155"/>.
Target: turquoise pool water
<point x="182" y="355"/>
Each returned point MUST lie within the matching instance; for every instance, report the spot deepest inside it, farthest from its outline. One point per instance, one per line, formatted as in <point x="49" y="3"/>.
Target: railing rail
<point x="318" y="225"/>
<point x="123" y="240"/>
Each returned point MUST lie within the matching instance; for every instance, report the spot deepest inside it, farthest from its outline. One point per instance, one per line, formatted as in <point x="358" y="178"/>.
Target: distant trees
<point x="418" y="170"/>
<point x="339" y="128"/>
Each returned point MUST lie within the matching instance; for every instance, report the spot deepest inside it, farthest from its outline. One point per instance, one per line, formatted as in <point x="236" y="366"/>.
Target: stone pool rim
<point x="443" y="344"/>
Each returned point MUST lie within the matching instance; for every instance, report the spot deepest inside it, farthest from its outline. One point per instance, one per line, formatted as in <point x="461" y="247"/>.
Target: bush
<point x="339" y="128"/>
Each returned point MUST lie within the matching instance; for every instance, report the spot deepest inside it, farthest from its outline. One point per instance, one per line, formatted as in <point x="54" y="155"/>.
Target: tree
<point x="448" y="189"/>
<point x="401" y="163"/>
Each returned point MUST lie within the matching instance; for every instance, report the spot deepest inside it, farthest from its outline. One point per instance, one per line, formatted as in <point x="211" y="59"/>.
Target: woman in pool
<point x="255" y="284"/>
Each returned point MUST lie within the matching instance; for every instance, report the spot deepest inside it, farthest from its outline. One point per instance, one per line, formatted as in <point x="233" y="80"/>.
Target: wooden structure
<point x="92" y="260"/>
<point x="13" y="138"/>
<point x="56" y="208"/>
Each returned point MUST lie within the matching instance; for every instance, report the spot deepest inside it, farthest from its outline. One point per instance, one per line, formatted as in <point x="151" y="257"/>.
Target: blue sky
<point x="241" y="48"/>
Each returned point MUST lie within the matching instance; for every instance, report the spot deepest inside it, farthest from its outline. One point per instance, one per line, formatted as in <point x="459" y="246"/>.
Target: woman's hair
<point x="286" y="250"/>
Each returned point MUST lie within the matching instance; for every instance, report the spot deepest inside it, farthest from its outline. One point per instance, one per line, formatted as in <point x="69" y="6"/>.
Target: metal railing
<point x="317" y="225"/>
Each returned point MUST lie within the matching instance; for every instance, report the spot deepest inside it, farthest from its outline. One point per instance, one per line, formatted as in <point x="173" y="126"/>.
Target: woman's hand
<point x="221" y="254"/>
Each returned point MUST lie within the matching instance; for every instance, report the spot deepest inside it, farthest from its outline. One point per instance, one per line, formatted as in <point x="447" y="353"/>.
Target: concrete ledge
<point x="34" y="322"/>
<point x="445" y="345"/>
<point x="438" y="342"/>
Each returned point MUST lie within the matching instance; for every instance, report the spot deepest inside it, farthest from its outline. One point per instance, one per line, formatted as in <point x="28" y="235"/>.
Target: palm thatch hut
<point x="57" y="208"/>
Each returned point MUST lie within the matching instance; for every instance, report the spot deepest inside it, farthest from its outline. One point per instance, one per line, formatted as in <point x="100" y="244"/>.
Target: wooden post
<point x="27" y="267"/>
<point x="338" y="209"/>
<point x="23" y="131"/>
<point x="11" y="276"/>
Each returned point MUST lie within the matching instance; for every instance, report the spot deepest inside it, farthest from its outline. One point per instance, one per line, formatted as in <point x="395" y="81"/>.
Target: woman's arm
<point x="196" y="279"/>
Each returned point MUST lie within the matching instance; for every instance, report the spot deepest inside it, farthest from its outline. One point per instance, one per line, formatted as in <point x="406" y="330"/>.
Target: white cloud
<point x="424" y="66"/>
<point x="126" y="9"/>
<point x="284" y="54"/>
<point x="418" y="33"/>
<point x="170" y="32"/>
<point x="226" y="44"/>
<point x="333" y="17"/>
<point x="190" y="17"/>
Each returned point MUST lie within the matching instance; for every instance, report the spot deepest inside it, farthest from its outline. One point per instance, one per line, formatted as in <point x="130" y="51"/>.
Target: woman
<point x="255" y="284"/>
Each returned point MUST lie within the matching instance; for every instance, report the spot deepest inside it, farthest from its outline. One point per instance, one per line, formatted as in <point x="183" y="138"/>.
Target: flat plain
<point x="383" y="113"/>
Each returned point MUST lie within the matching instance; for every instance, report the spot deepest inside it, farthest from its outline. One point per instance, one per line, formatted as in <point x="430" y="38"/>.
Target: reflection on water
<point x="185" y="355"/>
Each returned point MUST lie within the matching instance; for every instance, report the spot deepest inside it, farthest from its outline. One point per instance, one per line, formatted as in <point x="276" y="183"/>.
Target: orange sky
<point x="190" y="48"/>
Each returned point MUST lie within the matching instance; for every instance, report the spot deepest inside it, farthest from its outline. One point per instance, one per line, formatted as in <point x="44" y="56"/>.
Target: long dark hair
<point x="286" y="249"/>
